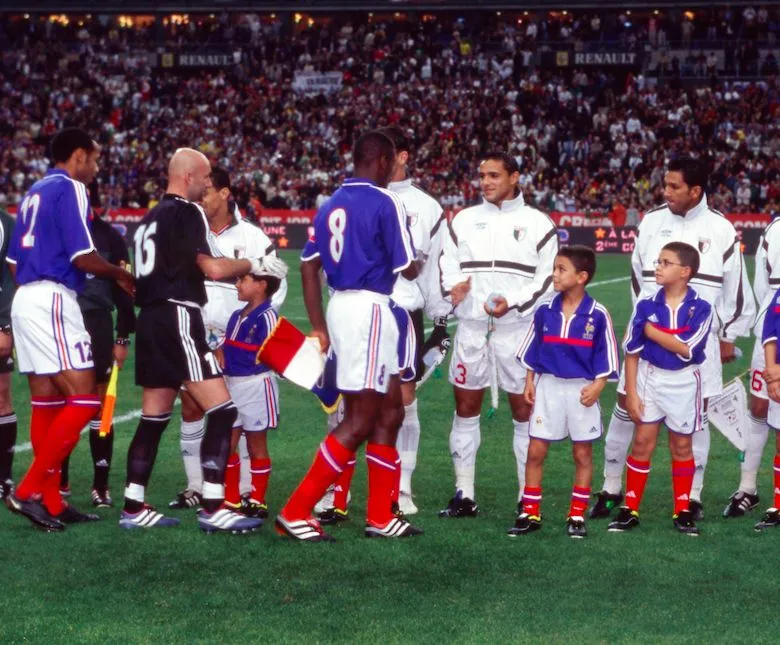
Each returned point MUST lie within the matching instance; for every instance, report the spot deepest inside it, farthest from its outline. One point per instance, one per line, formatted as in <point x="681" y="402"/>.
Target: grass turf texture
<point x="463" y="581"/>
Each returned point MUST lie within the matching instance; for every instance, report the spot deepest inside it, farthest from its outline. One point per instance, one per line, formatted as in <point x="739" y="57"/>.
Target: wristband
<point x="122" y="341"/>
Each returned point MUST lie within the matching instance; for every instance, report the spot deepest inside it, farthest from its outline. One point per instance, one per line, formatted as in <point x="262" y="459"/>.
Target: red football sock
<point x="58" y="443"/>
<point x="232" y="480"/>
<point x="328" y="464"/>
<point x="397" y="485"/>
<point x="382" y="479"/>
<point x="343" y="483"/>
<point x="261" y="471"/>
<point x="532" y="500"/>
<point x="579" y="501"/>
<point x="636" y="478"/>
<point x="777" y="481"/>
<point x="44" y="410"/>
<point x="682" y="480"/>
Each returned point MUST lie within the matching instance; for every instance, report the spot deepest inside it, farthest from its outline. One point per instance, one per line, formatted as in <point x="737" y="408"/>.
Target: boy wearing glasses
<point x="664" y="346"/>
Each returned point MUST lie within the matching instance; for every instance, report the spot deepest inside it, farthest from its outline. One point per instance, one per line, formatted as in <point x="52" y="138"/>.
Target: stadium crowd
<point x="586" y="140"/>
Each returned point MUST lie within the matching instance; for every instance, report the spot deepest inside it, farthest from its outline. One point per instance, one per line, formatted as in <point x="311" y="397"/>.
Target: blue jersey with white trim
<point x="244" y="336"/>
<point x="584" y="346"/>
<point x="52" y="229"/>
<point x="771" y="327"/>
<point x="689" y="322"/>
<point x="361" y="235"/>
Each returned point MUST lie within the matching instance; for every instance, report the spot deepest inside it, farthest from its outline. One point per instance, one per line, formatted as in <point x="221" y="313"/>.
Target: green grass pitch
<point x="464" y="581"/>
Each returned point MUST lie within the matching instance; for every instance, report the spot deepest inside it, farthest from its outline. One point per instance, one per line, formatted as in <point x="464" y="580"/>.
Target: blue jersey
<point x="361" y="235"/>
<point x="771" y="321"/>
<point x="584" y="346"/>
<point x="52" y="230"/>
<point x="690" y="323"/>
<point x="243" y="338"/>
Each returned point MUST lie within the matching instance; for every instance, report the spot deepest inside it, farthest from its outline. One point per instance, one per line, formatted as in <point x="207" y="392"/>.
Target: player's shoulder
<point x="600" y="310"/>
<point x="422" y="196"/>
<point x="654" y="217"/>
<point x="719" y="222"/>
<point x="536" y="215"/>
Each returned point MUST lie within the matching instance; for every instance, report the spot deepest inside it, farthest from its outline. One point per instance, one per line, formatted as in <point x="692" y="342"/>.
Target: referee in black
<point x="98" y="301"/>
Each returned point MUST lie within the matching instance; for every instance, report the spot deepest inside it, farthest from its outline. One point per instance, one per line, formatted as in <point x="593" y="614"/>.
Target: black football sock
<point x="214" y="453"/>
<point x="102" y="451"/>
<point x="140" y="458"/>
<point x="8" y="429"/>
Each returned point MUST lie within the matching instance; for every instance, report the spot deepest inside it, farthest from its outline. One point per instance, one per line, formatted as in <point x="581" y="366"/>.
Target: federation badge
<point x="704" y="244"/>
<point x="539" y="421"/>
<point x="519" y="233"/>
<point x="590" y="329"/>
<point x="412" y="218"/>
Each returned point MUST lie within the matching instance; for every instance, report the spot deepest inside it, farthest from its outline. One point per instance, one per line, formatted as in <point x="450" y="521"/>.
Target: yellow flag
<point x="109" y="403"/>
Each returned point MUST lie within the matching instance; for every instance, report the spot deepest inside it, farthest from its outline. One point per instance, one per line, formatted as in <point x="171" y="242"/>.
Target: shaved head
<point x="189" y="174"/>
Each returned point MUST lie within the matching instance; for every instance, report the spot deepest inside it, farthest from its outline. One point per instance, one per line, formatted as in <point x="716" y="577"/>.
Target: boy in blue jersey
<point x="252" y="385"/>
<point x="769" y="336"/>
<point x="361" y="240"/>
<point x="569" y="353"/>
<point x="50" y="254"/>
<point x="664" y="345"/>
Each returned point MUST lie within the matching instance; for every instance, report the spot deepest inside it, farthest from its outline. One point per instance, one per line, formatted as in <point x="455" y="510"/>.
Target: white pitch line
<point x="136" y="414"/>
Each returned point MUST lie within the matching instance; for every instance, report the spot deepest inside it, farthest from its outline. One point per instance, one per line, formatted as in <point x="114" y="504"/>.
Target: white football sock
<point x="408" y="443"/>
<point x="701" y="453"/>
<point x="464" y="444"/>
<point x="520" y="445"/>
<point x="617" y="442"/>
<point x="755" y="440"/>
<point x="191" y="438"/>
<point x="245" y="483"/>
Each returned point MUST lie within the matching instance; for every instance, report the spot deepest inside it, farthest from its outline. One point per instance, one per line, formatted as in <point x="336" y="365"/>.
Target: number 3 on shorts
<point x="460" y="377"/>
<point x="337" y="224"/>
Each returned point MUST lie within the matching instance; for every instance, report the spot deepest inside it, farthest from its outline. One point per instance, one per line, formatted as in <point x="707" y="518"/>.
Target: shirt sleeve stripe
<point x="82" y="201"/>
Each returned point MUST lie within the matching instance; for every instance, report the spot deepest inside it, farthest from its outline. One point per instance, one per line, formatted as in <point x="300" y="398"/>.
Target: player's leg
<point x="616" y="445"/>
<point x="637" y="470"/>
<point x="191" y="436"/>
<point x="8" y="430"/>
<point x="521" y="413"/>
<point x="582" y="452"/>
<point x="384" y="469"/>
<point x="683" y="469"/>
<point x="529" y="516"/>
<point x="260" y="471"/>
<point x="232" y="471"/>
<point x="745" y="498"/>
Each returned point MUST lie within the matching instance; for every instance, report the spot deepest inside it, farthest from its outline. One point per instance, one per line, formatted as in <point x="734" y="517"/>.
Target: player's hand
<point x="219" y="354"/>
<point x="460" y="291"/>
<point x="772" y="373"/>
<point x="322" y="336"/>
<point x="591" y="393"/>
<point x="500" y="308"/>
<point x="634" y="407"/>
<point x="120" y="354"/>
<point x="773" y="389"/>
<point x="529" y="395"/>
<point x="727" y="354"/>
<point x="6" y="344"/>
<point x="127" y="283"/>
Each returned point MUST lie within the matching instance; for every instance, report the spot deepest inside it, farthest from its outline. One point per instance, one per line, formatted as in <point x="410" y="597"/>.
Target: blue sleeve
<point x="697" y="329"/>
<point x="635" y="334"/>
<point x="310" y="251"/>
<point x="12" y="254"/>
<point x="605" y="349"/>
<point x="395" y="231"/>
<point x="72" y="219"/>
<point x="528" y="352"/>
<point x="771" y="321"/>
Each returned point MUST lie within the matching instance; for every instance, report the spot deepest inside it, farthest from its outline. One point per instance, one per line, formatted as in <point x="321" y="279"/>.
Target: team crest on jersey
<point x="519" y="233"/>
<point x="667" y="232"/>
<point x="239" y="252"/>
<point x="590" y="329"/>
<point x="251" y="332"/>
<point x="412" y="218"/>
<point x="539" y="421"/>
<point x="704" y="244"/>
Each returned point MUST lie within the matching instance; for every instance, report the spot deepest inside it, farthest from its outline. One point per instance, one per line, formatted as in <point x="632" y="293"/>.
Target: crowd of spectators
<point x="587" y="140"/>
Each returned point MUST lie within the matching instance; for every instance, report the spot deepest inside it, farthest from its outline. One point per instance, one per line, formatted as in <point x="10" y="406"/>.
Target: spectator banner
<point x="209" y="59"/>
<point x="569" y="58"/>
<point x="317" y="82"/>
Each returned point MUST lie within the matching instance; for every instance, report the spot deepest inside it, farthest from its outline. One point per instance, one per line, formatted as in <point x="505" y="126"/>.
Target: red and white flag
<point x="289" y="352"/>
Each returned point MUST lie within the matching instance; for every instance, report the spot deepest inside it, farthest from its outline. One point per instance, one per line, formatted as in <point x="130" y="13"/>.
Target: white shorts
<point x="473" y="356"/>
<point x="364" y="336"/>
<point x="49" y="331"/>
<point x="671" y="396"/>
<point x="711" y="370"/>
<point x="257" y="400"/>
<point x="757" y="367"/>
<point x="558" y="413"/>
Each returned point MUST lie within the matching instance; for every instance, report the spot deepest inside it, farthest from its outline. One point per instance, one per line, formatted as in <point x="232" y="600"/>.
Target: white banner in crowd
<point x="317" y="82"/>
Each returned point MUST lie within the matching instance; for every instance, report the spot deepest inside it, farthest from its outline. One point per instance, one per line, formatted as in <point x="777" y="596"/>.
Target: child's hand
<point x="219" y="354"/>
<point x="772" y="373"/>
<point x="591" y="393"/>
<point x="773" y="389"/>
<point x="634" y="407"/>
<point x="530" y="392"/>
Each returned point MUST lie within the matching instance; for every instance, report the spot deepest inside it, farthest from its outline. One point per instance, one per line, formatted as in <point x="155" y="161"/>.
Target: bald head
<point x="189" y="174"/>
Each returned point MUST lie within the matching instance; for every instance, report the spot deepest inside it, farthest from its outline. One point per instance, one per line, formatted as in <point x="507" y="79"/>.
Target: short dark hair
<point x="694" y="171"/>
<point x="371" y="146"/>
<point x="67" y="141"/>
<point x="510" y="163"/>
<point x="220" y="178"/>
<point x="582" y="257"/>
<point x="272" y="283"/>
<point x="398" y="137"/>
<point x="688" y="256"/>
